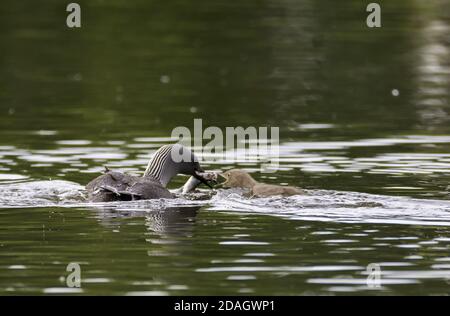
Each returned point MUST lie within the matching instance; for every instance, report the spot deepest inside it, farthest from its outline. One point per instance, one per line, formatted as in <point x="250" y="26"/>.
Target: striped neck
<point x="161" y="166"/>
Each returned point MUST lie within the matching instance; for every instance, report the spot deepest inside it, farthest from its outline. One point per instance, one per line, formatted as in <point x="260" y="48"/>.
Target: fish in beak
<point x="206" y="177"/>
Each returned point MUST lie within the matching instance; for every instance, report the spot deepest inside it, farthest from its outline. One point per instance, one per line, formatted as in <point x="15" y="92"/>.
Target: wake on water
<point x="316" y="205"/>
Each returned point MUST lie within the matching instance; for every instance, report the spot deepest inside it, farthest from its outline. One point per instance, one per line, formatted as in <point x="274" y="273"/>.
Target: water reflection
<point x="359" y="110"/>
<point x="146" y="251"/>
<point x="165" y="221"/>
<point x="433" y="76"/>
<point x="172" y="221"/>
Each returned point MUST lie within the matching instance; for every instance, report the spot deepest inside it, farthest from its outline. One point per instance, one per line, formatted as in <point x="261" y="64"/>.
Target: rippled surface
<point x="364" y="127"/>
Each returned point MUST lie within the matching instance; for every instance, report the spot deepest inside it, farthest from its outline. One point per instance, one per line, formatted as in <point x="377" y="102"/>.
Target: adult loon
<point x="166" y="163"/>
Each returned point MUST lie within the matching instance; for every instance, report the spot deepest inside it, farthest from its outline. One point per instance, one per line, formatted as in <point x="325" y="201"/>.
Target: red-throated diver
<point x="117" y="186"/>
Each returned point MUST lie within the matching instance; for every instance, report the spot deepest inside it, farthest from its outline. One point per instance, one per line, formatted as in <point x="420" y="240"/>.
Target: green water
<point x="359" y="110"/>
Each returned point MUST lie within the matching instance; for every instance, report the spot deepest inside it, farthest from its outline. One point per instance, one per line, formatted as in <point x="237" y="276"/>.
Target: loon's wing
<point x="117" y="186"/>
<point x="121" y="194"/>
<point x="111" y="186"/>
<point x="149" y="189"/>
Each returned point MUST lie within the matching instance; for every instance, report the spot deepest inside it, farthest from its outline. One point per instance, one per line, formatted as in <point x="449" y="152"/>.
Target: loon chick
<point x="236" y="178"/>
<point x="167" y="162"/>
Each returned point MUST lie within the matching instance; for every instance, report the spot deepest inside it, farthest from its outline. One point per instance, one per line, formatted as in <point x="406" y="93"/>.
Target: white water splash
<point x="317" y="205"/>
<point x="347" y="207"/>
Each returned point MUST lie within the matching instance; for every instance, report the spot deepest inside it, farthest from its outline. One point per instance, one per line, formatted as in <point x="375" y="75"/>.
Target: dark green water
<point x="359" y="110"/>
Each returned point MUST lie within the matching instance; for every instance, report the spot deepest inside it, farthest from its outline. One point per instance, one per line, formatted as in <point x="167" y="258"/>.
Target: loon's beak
<point x="202" y="177"/>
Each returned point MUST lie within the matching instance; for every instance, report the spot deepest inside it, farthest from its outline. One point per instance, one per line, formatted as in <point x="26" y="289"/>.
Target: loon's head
<point x="170" y="160"/>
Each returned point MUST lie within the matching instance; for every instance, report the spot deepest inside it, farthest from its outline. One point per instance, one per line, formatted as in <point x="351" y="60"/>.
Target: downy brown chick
<point x="236" y="178"/>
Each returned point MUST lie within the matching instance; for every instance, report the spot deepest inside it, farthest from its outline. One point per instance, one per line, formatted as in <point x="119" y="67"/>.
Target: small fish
<point x="193" y="182"/>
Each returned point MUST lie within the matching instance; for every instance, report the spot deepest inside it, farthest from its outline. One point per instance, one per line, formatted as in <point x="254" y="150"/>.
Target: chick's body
<point x="236" y="178"/>
<point x="265" y="190"/>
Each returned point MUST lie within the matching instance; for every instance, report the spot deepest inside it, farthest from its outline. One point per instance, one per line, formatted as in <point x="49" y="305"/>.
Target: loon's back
<point x="117" y="186"/>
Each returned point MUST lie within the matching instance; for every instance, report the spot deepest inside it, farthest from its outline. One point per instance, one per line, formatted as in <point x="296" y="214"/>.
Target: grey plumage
<point x="117" y="186"/>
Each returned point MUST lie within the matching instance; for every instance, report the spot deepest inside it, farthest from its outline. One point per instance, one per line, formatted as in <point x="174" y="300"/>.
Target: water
<point x="364" y="126"/>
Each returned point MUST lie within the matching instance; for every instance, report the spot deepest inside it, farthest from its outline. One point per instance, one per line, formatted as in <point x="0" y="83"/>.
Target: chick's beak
<point x="225" y="177"/>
